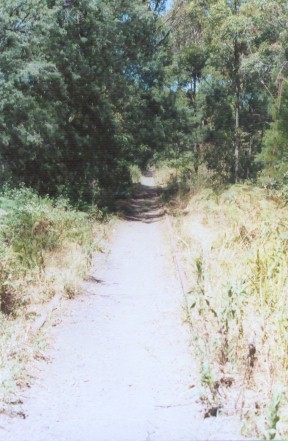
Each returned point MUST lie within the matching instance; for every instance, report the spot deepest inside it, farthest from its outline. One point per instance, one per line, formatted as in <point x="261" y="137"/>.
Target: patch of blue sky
<point x="169" y="4"/>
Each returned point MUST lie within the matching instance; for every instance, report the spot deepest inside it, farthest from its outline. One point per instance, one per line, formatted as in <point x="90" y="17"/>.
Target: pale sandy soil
<point x="121" y="367"/>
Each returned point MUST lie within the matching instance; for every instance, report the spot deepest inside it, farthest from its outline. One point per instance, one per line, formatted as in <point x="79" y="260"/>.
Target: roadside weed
<point x="46" y="247"/>
<point x="235" y="258"/>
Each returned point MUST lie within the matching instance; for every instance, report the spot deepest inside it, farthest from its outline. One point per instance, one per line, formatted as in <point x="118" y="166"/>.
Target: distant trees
<point x="232" y="64"/>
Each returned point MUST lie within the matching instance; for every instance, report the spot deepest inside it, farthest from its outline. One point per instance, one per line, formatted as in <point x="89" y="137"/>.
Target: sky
<point x="169" y="3"/>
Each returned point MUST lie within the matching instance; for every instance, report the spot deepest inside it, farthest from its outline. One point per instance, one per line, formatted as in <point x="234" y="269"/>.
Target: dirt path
<point x="121" y="368"/>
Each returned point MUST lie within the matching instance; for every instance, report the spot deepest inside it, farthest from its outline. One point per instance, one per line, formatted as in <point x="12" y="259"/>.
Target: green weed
<point x="135" y="173"/>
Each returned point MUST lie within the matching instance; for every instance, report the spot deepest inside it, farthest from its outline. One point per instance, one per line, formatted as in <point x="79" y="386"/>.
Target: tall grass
<point x="135" y="174"/>
<point x="46" y="246"/>
<point x="235" y="245"/>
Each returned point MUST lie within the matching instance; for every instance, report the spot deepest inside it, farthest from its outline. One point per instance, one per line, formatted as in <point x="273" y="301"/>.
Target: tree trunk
<point x="237" y="137"/>
<point x="249" y="165"/>
<point x="237" y="147"/>
<point x="196" y="157"/>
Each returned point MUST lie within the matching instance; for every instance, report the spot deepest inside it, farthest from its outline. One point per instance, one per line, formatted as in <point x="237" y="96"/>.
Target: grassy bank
<point x="234" y="245"/>
<point x="46" y="248"/>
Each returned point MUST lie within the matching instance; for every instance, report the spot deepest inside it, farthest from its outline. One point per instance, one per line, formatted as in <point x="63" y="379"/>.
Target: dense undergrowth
<point x="46" y="247"/>
<point x="235" y="244"/>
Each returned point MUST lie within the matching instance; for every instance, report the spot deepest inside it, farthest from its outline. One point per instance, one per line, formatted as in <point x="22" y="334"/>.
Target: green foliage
<point x="37" y="224"/>
<point x="135" y="173"/>
<point x="78" y="106"/>
<point x="32" y="227"/>
<point x="273" y="412"/>
<point x="275" y="152"/>
<point x="76" y="103"/>
<point x="231" y="62"/>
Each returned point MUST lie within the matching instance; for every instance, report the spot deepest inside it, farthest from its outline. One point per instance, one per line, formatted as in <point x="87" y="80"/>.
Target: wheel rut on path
<point x="121" y="367"/>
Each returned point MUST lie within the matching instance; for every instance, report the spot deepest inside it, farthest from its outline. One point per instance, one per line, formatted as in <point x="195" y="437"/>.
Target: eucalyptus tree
<point x="215" y="43"/>
<point x="271" y="64"/>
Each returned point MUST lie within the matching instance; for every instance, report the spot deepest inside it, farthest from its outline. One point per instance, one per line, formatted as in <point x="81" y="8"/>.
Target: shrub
<point x="32" y="227"/>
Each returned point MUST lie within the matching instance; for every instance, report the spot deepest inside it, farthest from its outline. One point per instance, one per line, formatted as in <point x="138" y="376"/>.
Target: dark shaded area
<point x="73" y="121"/>
<point x="145" y="204"/>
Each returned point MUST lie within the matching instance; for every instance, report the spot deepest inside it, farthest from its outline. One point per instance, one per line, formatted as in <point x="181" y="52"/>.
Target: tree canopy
<point x="89" y="87"/>
<point x="232" y="62"/>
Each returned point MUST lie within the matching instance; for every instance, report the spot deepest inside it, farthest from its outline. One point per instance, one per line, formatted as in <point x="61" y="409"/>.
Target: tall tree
<point x="72" y="88"/>
<point x="214" y="45"/>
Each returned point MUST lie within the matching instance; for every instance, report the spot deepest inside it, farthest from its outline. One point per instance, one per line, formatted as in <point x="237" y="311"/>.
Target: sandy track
<point x="121" y="367"/>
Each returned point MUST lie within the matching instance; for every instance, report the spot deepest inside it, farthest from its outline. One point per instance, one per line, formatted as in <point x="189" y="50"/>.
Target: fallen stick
<point x="40" y="322"/>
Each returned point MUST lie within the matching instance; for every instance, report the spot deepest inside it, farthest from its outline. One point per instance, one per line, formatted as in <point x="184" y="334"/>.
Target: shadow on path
<point x="145" y="204"/>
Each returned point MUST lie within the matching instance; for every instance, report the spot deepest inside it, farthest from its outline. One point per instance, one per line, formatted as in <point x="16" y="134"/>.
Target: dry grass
<point x="36" y="265"/>
<point x="235" y="247"/>
<point x="63" y="273"/>
<point x="165" y="174"/>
